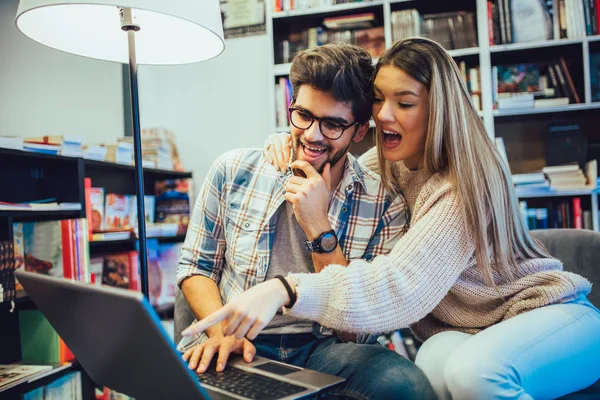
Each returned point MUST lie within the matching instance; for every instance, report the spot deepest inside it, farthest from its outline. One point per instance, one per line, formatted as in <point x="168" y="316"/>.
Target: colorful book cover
<point x="173" y="202"/>
<point x="116" y="270"/>
<point x="518" y="78"/>
<point x="117" y="212"/>
<point x="149" y="208"/>
<point x="162" y="271"/>
<point x="43" y="252"/>
<point x="97" y="205"/>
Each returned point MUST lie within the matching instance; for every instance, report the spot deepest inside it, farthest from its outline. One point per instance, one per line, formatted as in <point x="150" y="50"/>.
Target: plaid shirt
<point x="231" y="233"/>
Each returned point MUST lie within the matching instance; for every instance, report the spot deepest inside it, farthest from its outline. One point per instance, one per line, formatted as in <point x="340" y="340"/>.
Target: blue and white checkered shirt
<point x="231" y="233"/>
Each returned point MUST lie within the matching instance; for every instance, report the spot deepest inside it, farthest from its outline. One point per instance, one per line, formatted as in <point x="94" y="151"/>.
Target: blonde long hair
<point x="457" y="142"/>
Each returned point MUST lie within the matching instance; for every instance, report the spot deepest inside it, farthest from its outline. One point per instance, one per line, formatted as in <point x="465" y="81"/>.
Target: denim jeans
<point x="371" y="371"/>
<point x="540" y="354"/>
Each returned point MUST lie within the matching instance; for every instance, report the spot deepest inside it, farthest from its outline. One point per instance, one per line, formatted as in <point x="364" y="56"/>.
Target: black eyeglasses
<point x="331" y="129"/>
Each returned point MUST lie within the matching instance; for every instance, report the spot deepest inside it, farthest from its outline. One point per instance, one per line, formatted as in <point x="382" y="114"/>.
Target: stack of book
<point x="556" y="179"/>
<point x="159" y="149"/>
<point x="64" y="145"/>
<point x="533" y="182"/>
<point x="572" y="177"/>
<point x="518" y="86"/>
<point x="454" y="30"/>
<point x="120" y="153"/>
<point x="11" y="142"/>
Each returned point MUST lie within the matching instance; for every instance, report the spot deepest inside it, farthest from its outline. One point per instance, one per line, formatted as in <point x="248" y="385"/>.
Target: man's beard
<point x="331" y="160"/>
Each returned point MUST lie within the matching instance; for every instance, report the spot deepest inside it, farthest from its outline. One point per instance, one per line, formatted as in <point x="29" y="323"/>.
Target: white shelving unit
<point x="484" y="53"/>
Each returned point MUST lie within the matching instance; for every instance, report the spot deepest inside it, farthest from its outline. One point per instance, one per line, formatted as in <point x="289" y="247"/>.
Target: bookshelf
<point x="523" y="129"/>
<point x="27" y="176"/>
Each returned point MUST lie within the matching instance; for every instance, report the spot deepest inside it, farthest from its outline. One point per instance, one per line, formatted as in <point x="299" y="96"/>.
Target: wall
<point x="44" y="91"/>
<point x="212" y="106"/>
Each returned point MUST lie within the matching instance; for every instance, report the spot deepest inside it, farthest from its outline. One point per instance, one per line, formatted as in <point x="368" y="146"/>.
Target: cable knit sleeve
<point x="369" y="160"/>
<point x="401" y="288"/>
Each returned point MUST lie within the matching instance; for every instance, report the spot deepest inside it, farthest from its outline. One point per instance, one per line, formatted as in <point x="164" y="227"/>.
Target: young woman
<point x="499" y="316"/>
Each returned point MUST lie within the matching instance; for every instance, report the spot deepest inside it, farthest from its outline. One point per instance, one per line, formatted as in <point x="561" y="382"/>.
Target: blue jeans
<point x="540" y="354"/>
<point x="371" y="370"/>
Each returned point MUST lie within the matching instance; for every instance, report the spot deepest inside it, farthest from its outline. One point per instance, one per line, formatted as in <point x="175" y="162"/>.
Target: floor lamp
<point x="155" y="32"/>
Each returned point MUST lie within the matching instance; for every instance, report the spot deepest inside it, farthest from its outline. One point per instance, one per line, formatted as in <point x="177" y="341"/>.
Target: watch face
<point x="328" y="242"/>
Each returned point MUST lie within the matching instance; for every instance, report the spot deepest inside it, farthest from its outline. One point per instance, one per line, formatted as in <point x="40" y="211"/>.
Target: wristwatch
<point x="325" y="243"/>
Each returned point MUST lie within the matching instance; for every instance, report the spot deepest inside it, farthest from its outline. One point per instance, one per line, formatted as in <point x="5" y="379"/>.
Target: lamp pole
<point x="128" y="24"/>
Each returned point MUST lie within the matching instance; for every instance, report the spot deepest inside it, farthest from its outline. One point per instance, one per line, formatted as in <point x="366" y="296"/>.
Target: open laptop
<point x="119" y="340"/>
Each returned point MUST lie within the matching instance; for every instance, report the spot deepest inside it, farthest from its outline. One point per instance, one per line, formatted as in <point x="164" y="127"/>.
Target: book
<point x="55" y="248"/>
<point x="117" y="212"/>
<point x="357" y="21"/>
<point x="39" y="341"/>
<point x="553" y="102"/>
<point x="121" y="270"/>
<point x="577" y="213"/>
<point x="518" y="78"/>
<point x="16" y="373"/>
<point x="529" y="178"/>
<point x="11" y="142"/>
<point x="532" y="21"/>
<point x="173" y="202"/>
<point x="111" y="235"/>
<point x="162" y="271"/>
<point x="96" y="199"/>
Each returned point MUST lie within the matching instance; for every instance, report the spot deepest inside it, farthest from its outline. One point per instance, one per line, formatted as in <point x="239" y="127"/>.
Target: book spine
<point x="87" y="184"/>
<point x="3" y="270"/>
<point x="67" y="248"/>
<point x="134" y="273"/>
<point x="563" y="83"/>
<point x="577" y="217"/>
<point x="569" y="80"/>
<point x="555" y="20"/>
<point x="502" y="17"/>
<point x="78" y="255"/>
<point x="562" y="13"/>
<point x="597" y="9"/>
<point x="508" y="16"/>
<point x="587" y="220"/>
<point x="85" y="244"/>
<point x="594" y="20"/>
<point x="587" y="16"/>
<point x="541" y="218"/>
<point x="554" y="80"/>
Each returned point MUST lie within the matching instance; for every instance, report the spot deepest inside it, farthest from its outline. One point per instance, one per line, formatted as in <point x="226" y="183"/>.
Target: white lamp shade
<point x="171" y="31"/>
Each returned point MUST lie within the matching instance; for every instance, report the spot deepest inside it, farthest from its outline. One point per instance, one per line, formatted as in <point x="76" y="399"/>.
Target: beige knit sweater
<point x="430" y="279"/>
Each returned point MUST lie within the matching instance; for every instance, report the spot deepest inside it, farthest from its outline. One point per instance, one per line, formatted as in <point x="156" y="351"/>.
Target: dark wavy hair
<point x="345" y="71"/>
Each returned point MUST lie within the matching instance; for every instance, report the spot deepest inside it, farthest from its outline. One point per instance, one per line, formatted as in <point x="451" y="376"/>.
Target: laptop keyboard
<point x="253" y="386"/>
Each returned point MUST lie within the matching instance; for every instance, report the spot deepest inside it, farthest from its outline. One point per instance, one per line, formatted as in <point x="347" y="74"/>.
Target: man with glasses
<point x="252" y="222"/>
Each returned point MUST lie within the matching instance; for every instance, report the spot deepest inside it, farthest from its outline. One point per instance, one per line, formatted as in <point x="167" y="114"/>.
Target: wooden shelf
<point x="527" y="111"/>
<point x="326" y="10"/>
<point x="164" y="172"/>
<point x="563" y="193"/>
<point x="19" y="215"/>
<point x="469" y="51"/>
<point x="534" y="45"/>
<point x="115" y="246"/>
<point x="32" y="154"/>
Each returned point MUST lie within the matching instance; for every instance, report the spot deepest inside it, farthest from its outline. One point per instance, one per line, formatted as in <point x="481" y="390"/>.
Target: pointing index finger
<point x="207" y="322"/>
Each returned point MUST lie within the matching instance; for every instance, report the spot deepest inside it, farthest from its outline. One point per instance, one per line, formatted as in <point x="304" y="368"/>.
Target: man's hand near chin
<point x="200" y="356"/>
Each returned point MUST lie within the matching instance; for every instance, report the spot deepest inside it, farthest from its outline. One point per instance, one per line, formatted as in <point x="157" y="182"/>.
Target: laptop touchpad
<point x="278" y="369"/>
